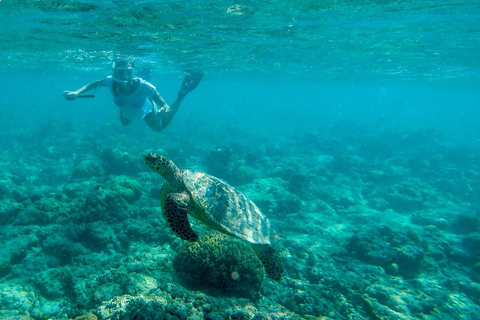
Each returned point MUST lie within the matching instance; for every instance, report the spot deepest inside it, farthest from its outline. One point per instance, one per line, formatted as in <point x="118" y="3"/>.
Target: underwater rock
<point x="9" y="210"/>
<point x="271" y="196"/>
<point x="461" y="256"/>
<point x="240" y="174"/>
<point x="406" y="197"/>
<point x="5" y="187"/>
<point x="36" y="195"/>
<point x="176" y="312"/>
<point x="88" y="316"/>
<point x="218" y="157"/>
<point x="218" y="162"/>
<point x="219" y="262"/>
<point x="14" y="315"/>
<point x="51" y="283"/>
<point x="381" y="177"/>
<point x="471" y="244"/>
<point x="395" y="252"/>
<point x="48" y="309"/>
<point x="126" y="188"/>
<point x="45" y="211"/>
<point x="120" y="163"/>
<point x="260" y="316"/>
<point x="304" y="302"/>
<point x="241" y="314"/>
<point x="139" y="283"/>
<point x="133" y="307"/>
<point x="465" y="223"/>
<point x="457" y="305"/>
<point x="472" y="289"/>
<point x="298" y="182"/>
<point x="19" y="301"/>
<point x="173" y="302"/>
<point x="87" y="169"/>
<point x="106" y="291"/>
<point x="147" y="230"/>
<point x="59" y="6"/>
<point x="378" y="310"/>
<point x="20" y="195"/>
<point x="457" y="220"/>
<point x="222" y="163"/>
<point x="55" y="175"/>
<point x="95" y="207"/>
<point x="65" y="249"/>
<point x="342" y="201"/>
<point x="111" y="201"/>
<point x="80" y="189"/>
<point x="429" y="218"/>
<point x="239" y="10"/>
<point x="475" y="271"/>
<point x="98" y="236"/>
<point x="378" y="203"/>
<point x="14" y="252"/>
<point x="5" y="267"/>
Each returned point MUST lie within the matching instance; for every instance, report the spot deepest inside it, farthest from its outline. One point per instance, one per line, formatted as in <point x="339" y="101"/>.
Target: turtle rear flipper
<point x="271" y="261"/>
<point x="175" y="209"/>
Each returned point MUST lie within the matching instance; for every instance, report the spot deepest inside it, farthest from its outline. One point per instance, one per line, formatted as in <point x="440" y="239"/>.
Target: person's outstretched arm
<point x="72" y="95"/>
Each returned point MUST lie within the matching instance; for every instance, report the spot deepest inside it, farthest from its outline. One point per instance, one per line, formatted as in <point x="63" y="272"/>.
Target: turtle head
<point x="163" y="166"/>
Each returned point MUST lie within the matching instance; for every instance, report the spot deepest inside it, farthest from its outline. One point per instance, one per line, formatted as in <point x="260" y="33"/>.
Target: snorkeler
<point x="137" y="98"/>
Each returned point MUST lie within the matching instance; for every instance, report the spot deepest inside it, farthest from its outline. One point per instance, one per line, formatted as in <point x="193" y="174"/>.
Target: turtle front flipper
<point x="175" y="209"/>
<point x="271" y="261"/>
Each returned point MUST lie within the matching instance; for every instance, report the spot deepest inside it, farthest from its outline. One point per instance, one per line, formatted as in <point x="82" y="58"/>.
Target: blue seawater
<point x="353" y="125"/>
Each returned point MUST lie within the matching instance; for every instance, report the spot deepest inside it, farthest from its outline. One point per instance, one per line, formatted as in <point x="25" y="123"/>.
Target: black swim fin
<point x="190" y="82"/>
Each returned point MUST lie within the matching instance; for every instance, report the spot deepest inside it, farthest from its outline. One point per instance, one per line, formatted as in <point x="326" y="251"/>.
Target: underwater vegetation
<point x="369" y="224"/>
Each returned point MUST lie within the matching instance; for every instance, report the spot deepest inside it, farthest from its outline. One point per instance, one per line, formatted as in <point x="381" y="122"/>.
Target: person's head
<point x="123" y="72"/>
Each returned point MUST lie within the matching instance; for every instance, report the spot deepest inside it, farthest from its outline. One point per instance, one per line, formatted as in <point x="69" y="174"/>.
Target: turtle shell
<point x="228" y="210"/>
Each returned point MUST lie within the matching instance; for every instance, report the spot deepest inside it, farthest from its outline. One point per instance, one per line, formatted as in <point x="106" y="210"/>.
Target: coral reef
<point x="371" y="225"/>
<point x="219" y="262"/>
<point x="397" y="253"/>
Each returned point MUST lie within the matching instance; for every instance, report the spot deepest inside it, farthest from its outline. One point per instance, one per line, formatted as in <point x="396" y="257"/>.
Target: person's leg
<point x="167" y="116"/>
<point x="123" y="120"/>
<point x="154" y="120"/>
<point x="159" y="119"/>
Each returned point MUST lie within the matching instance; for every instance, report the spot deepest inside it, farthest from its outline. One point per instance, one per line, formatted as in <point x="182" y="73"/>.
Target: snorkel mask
<point x="123" y="72"/>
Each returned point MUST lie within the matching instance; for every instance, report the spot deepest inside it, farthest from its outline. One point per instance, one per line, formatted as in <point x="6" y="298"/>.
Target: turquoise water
<point x="353" y="125"/>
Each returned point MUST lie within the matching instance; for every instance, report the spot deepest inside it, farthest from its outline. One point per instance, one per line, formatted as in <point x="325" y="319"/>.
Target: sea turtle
<point x="216" y="204"/>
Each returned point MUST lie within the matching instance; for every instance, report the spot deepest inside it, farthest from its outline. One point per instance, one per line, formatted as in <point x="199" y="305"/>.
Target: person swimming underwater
<point x="137" y="98"/>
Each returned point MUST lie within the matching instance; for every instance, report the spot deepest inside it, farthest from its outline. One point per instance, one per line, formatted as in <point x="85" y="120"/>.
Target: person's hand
<point x="165" y="108"/>
<point x="70" y="95"/>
